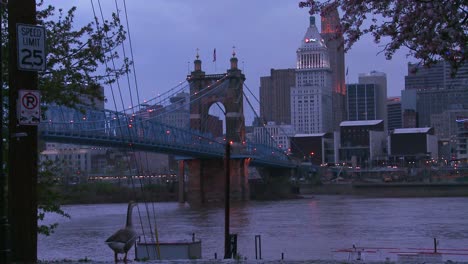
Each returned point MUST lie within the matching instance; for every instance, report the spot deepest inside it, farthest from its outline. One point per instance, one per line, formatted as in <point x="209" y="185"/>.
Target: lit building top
<point x="313" y="52"/>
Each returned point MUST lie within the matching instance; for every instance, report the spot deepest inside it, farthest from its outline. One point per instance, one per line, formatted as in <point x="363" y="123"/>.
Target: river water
<point x="311" y="228"/>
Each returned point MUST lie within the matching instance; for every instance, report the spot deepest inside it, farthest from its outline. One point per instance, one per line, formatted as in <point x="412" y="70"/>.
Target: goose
<point x="122" y="240"/>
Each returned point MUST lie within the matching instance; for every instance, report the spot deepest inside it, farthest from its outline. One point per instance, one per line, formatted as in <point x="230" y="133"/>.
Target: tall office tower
<point x="275" y="90"/>
<point x="311" y="98"/>
<point x="437" y="76"/>
<point x="379" y="79"/>
<point x="333" y="37"/>
<point x="362" y="102"/>
<point x="394" y="113"/>
<point x="436" y="90"/>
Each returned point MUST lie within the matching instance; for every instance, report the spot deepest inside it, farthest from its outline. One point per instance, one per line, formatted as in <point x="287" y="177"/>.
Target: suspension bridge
<point x="179" y="122"/>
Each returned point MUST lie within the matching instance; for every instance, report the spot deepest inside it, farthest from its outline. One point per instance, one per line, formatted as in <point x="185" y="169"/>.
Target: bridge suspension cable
<point x="264" y="124"/>
<point x="123" y="106"/>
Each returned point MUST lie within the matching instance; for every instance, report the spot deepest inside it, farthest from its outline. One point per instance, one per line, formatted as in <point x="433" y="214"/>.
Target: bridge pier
<point x="266" y="172"/>
<point x="206" y="181"/>
<point x="181" y="178"/>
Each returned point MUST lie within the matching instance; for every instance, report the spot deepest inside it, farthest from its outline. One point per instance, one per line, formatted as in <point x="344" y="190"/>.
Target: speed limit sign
<point x="31" y="47"/>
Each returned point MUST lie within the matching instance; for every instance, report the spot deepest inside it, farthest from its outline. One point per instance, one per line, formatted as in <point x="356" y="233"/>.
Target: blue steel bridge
<point x="180" y="122"/>
<point x="150" y="126"/>
<point x="108" y="128"/>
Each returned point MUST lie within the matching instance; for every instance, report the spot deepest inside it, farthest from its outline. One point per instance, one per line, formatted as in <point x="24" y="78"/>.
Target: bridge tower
<point x="206" y="179"/>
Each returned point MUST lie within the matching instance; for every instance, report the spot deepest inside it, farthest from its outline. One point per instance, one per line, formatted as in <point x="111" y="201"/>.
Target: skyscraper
<point x="275" y="90"/>
<point x="362" y="102"/>
<point x="436" y="89"/>
<point x="311" y="98"/>
<point x="394" y="113"/>
<point x="333" y="37"/>
<point x="438" y="76"/>
<point x="379" y="79"/>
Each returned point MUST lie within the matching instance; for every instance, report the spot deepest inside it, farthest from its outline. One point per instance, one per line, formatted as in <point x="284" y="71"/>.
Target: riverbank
<point x="232" y="261"/>
<point x="388" y="189"/>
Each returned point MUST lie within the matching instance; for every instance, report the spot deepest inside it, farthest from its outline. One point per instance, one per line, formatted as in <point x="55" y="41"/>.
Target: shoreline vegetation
<point x="277" y="189"/>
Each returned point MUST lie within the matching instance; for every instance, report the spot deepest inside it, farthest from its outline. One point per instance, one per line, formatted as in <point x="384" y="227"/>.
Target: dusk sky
<point x="266" y="33"/>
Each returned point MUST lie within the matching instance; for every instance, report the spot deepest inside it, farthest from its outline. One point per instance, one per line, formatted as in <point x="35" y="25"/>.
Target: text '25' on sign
<point x="31" y="47"/>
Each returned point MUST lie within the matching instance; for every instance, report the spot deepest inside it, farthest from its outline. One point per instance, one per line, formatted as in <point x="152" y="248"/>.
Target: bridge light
<point x="168" y="132"/>
<point x="130" y="125"/>
<point x="231" y="142"/>
<point x="71" y="121"/>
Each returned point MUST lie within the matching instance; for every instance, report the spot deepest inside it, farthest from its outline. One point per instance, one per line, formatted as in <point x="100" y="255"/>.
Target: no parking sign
<point x="29" y="107"/>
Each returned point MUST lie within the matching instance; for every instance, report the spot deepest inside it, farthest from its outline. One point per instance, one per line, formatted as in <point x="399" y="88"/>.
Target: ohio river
<point x="310" y="228"/>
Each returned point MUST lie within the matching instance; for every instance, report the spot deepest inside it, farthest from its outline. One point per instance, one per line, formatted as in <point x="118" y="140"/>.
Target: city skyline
<point x="166" y="35"/>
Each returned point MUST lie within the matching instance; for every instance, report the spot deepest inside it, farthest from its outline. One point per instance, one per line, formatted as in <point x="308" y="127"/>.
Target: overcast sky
<point x="266" y="33"/>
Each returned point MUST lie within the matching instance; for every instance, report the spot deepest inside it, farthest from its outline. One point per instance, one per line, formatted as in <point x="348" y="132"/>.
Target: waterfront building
<point x="446" y="128"/>
<point x="275" y="91"/>
<point x="462" y="140"/>
<point x="332" y="34"/>
<point x="74" y="162"/>
<point x="413" y="145"/>
<point x="362" y="143"/>
<point x="176" y="113"/>
<point x="434" y="101"/>
<point x="394" y="114"/>
<point x="314" y="148"/>
<point x="311" y="98"/>
<point x="280" y="134"/>
<point x="445" y="124"/>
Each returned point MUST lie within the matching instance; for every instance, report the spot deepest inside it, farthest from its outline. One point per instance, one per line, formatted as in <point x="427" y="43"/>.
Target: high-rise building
<point x="445" y="123"/>
<point x="280" y="134"/>
<point x="311" y="98"/>
<point x="379" y="79"/>
<point x="394" y="114"/>
<point x="367" y="99"/>
<point x="275" y="90"/>
<point x="362" y="102"/>
<point x="333" y="36"/>
<point x="438" y="76"/>
<point x="431" y="102"/>
<point x="437" y="89"/>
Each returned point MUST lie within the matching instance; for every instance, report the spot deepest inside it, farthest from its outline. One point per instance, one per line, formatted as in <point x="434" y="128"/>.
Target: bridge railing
<point x="108" y="126"/>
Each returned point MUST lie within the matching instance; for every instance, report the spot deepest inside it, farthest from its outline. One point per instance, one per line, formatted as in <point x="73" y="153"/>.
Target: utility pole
<point x="4" y="248"/>
<point x="227" y="238"/>
<point x="23" y="150"/>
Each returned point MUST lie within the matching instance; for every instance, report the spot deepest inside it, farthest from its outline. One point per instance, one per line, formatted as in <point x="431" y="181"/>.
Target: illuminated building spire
<point x="330" y="21"/>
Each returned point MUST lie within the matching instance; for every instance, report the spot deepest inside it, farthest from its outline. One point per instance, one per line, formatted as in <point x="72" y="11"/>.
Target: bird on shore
<point x="122" y="240"/>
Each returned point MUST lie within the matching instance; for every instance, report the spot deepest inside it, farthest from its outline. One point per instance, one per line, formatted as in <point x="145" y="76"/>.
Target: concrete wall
<point x="388" y="189"/>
